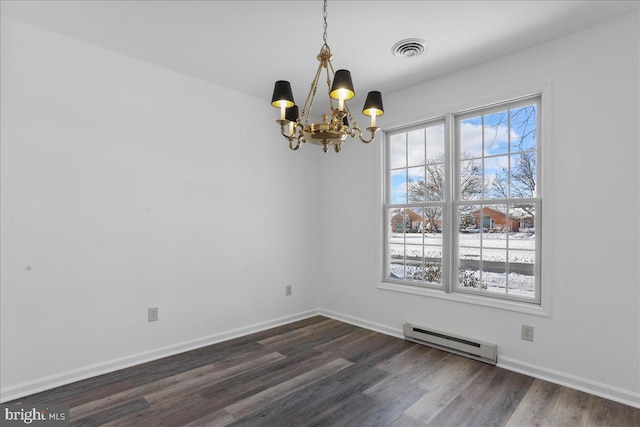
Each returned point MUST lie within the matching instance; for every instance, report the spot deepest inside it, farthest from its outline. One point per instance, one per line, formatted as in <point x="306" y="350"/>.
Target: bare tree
<point x="431" y="186"/>
<point x="527" y="117"/>
<point x="520" y="180"/>
<point x="471" y="184"/>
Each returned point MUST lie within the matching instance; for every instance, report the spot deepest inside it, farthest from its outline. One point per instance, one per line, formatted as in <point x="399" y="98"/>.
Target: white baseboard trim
<point x="602" y="390"/>
<point x="15" y="392"/>
<point x="41" y="384"/>
<point x="383" y="329"/>
<point x="588" y="386"/>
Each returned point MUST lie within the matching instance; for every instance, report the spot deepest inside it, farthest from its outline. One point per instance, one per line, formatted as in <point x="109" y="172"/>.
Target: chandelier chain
<point x="336" y="126"/>
<point x="325" y="47"/>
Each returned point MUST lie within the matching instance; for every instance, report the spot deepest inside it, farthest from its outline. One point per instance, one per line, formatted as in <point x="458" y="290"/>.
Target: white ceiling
<point x="247" y="45"/>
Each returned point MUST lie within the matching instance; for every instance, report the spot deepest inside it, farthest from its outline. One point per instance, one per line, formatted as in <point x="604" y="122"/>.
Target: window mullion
<point x="449" y="246"/>
<point x="404" y="211"/>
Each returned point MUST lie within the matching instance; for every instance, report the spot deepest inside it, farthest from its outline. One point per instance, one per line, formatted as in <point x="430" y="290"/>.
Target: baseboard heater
<point x="477" y="350"/>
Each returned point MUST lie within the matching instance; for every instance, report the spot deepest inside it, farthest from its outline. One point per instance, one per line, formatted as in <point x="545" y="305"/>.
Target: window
<point x="462" y="207"/>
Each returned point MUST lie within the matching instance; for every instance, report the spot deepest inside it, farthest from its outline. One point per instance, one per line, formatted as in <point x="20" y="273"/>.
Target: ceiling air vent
<point x="409" y="47"/>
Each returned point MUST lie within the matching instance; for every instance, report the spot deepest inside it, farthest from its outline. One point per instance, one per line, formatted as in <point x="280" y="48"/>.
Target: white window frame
<point x="450" y="291"/>
<point x="536" y="199"/>
<point x="446" y="238"/>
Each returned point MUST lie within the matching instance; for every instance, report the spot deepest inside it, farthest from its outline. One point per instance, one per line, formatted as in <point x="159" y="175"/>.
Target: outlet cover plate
<point x="527" y="333"/>
<point x="153" y="314"/>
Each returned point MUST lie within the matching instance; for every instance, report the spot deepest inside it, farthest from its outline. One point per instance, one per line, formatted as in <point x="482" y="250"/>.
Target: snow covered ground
<point x="492" y="248"/>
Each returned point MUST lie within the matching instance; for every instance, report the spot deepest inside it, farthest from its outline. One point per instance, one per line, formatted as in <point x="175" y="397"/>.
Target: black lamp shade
<point x="342" y="83"/>
<point x="373" y="104"/>
<point x="282" y="94"/>
<point x="291" y="113"/>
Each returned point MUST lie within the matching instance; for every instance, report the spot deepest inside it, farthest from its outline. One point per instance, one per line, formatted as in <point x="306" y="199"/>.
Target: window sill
<point x="520" y="307"/>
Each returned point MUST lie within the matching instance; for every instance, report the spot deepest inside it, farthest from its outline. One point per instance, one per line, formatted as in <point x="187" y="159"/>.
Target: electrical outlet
<point x="288" y="290"/>
<point x="527" y="333"/>
<point x="153" y="314"/>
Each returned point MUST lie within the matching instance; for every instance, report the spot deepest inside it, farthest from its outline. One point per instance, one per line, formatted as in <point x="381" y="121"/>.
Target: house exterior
<point x="491" y="219"/>
<point x="409" y="221"/>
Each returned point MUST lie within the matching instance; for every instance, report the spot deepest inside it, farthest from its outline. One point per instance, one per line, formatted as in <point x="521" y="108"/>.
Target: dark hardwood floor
<point x="321" y="372"/>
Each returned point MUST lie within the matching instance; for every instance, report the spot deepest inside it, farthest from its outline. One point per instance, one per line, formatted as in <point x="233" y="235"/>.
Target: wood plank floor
<point x="321" y="372"/>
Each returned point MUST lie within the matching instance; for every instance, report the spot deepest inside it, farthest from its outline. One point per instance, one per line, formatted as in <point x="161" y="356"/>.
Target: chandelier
<point x="339" y="123"/>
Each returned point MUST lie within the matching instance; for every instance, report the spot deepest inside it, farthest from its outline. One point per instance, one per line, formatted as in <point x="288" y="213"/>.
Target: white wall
<point x="127" y="186"/>
<point x="592" y="338"/>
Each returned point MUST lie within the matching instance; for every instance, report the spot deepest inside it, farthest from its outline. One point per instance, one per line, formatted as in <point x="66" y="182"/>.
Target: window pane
<point x="496" y="177"/>
<point x="494" y="270"/>
<point x="429" y="272"/>
<point x="470" y="240"/>
<point x="432" y="253"/>
<point x="398" y="224"/>
<point x="435" y="143"/>
<point x="523" y="175"/>
<point x="416" y="186"/>
<point x="399" y="186"/>
<point x="397" y="253"/>
<point x="395" y="216"/>
<point x="414" y="257"/>
<point x="396" y="270"/>
<point x="471" y="137"/>
<point x="469" y="258"/>
<point x="469" y="269"/>
<point x="522" y="262"/>
<point x="470" y="252"/>
<point x="522" y="273"/>
<point x="522" y="285"/>
<point x="433" y="225"/>
<point x="523" y="219"/>
<point x="416" y="147"/>
<point x="494" y="240"/>
<point x="396" y="261"/>
<point x="523" y="128"/>
<point x="494" y="221"/>
<point x="416" y="224"/>
<point x="468" y="221"/>
<point x="471" y="185"/>
<point x="496" y="133"/>
<point x="398" y="151"/>
<point x="414" y="254"/>
<point x="494" y="259"/>
<point x="435" y="182"/>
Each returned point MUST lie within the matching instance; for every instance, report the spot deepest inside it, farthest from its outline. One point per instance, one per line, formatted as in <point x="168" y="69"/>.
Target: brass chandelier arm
<point x="351" y="118"/>
<point x="330" y="72"/>
<point x="295" y="139"/>
<point x="373" y="135"/>
<point x="356" y="129"/>
<point x="308" y="103"/>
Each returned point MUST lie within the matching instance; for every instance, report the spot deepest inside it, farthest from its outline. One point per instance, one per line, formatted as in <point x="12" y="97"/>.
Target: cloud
<point x="496" y="138"/>
<point x="410" y="148"/>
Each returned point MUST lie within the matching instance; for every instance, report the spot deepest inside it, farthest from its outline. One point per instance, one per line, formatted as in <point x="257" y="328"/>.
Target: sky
<point x="495" y="144"/>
